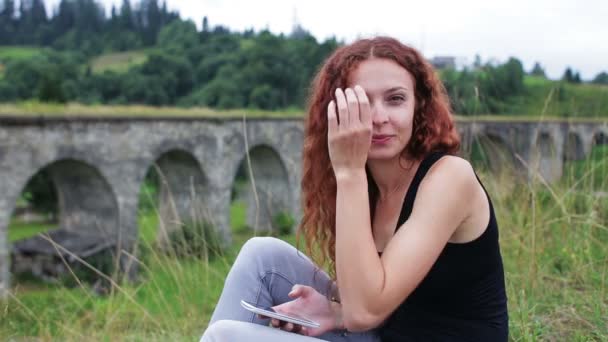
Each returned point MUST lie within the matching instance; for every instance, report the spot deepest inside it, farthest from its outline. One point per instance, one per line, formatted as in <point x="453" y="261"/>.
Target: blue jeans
<point x="263" y="274"/>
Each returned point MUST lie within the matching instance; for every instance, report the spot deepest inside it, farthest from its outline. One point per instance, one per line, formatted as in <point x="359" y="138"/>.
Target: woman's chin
<point x="382" y="155"/>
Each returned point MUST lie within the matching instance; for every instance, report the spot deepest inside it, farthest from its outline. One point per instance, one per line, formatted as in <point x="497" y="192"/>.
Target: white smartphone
<point x="268" y="312"/>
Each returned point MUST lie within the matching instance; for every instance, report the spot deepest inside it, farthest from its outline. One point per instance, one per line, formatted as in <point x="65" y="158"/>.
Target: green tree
<point x="571" y="76"/>
<point x="178" y="36"/>
<point x="174" y="74"/>
<point x="601" y="78"/>
<point x="224" y="91"/>
<point x="7" y="22"/>
<point x="264" y="97"/>
<point x="537" y="70"/>
<point x="126" y="18"/>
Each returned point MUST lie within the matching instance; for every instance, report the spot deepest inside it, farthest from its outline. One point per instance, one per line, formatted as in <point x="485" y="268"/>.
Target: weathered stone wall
<point x="98" y="165"/>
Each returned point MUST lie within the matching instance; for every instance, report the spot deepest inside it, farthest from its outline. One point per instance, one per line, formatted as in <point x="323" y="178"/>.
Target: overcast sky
<point x="557" y="33"/>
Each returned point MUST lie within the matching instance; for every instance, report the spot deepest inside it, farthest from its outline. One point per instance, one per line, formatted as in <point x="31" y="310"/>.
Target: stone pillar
<point x="546" y="159"/>
<point x="217" y="203"/>
<point x="4" y="248"/>
<point x="127" y="190"/>
<point x="573" y="147"/>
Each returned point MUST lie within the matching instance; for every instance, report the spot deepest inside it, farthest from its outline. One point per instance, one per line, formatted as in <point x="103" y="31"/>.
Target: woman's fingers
<point x="343" y="117"/>
<point x="332" y="118"/>
<point x="295" y="291"/>
<point x="287" y="326"/>
<point x="275" y="322"/>
<point x="365" y="112"/>
<point x="353" y="106"/>
<point x="299" y="291"/>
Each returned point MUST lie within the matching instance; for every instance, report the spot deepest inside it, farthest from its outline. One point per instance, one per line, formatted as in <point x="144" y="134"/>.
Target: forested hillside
<point x="141" y="53"/>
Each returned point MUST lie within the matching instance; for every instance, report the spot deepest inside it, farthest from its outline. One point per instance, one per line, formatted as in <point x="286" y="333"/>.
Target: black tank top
<point x="463" y="297"/>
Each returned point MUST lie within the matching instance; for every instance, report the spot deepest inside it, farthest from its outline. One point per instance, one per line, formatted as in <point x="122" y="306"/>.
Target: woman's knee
<point x="264" y="248"/>
<point x="219" y="331"/>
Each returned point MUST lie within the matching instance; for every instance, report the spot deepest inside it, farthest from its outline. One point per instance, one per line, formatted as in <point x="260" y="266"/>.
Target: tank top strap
<point x="423" y="168"/>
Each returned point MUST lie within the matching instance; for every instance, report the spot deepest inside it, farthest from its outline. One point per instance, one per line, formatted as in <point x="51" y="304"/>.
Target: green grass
<point x="8" y="53"/>
<point x="38" y="109"/>
<point x="238" y="215"/>
<point x="118" y="61"/>
<point x="553" y="242"/>
<point x="33" y="108"/>
<point x="18" y="52"/>
<point x="21" y="230"/>
<point x="546" y="98"/>
<point x="590" y="173"/>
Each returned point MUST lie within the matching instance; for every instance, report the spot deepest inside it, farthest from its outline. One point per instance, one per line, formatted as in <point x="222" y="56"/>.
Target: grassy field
<point x="51" y="110"/>
<point x="37" y="109"/>
<point x="18" y="52"/>
<point x="553" y="241"/>
<point x="119" y="61"/>
<point x="20" y="230"/>
<point x="559" y="99"/>
<point x="8" y="53"/>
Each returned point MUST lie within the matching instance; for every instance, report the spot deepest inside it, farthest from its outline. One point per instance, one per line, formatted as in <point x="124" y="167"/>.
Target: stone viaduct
<point x="98" y="165"/>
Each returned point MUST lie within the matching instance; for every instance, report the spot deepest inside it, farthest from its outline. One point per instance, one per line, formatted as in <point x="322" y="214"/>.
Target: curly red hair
<point x="433" y="130"/>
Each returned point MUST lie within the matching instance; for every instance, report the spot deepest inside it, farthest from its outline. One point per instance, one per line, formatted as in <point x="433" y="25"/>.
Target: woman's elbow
<point x="361" y="321"/>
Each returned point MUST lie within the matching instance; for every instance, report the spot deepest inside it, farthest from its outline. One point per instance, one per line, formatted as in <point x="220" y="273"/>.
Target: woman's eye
<point x="396" y="98"/>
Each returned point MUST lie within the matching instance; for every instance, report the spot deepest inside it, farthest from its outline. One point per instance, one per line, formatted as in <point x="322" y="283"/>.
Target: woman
<point x="404" y="223"/>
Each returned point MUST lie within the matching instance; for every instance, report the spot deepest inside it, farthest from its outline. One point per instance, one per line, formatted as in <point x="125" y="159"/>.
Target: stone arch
<point x="272" y="188"/>
<point x="87" y="212"/>
<point x="86" y="201"/>
<point x="599" y="138"/>
<point x="544" y="158"/>
<point x="180" y="188"/>
<point x="573" y="147"/>
<point x="492" y="153"/>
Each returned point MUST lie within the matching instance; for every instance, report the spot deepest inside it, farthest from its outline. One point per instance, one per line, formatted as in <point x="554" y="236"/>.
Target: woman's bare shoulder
<point x="452" y="168"/>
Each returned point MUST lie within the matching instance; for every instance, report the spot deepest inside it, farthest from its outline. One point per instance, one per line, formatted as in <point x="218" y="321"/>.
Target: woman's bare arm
<point x="371" y="288"/>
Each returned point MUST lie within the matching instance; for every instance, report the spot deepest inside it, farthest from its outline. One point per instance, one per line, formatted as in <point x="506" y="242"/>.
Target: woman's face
<point x="390" y="90"/>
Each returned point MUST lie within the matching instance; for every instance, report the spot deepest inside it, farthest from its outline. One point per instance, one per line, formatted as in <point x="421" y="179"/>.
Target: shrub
<point x="198" y="239"/>
<point x="283" y="223"/>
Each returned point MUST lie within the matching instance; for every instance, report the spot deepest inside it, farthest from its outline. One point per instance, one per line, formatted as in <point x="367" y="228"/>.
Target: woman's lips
<point x="381" y="138"/>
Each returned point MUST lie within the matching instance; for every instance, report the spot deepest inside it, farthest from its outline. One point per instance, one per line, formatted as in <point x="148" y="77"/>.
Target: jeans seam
<point x="274" y="271"/>
<point x="261" y="277"/>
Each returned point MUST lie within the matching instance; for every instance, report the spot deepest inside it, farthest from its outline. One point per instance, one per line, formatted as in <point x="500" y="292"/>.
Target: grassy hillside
<point x="559" y="99"/>
<point x="35" y="108"/>
<point x="542" y="97"/>
<point x="18" y="52"/>
<point x="118" y="61"/>
<point x="8" y="53"/>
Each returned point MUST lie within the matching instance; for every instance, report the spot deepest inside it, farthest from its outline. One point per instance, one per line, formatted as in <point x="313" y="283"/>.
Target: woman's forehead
<point x="381" y="75"/>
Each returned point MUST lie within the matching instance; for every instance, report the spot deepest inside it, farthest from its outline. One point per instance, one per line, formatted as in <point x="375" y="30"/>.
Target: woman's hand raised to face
<point x="349" y="131"/>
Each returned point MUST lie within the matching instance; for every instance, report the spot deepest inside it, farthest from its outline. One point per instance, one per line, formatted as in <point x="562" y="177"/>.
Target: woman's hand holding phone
<point x="312" y="305"/>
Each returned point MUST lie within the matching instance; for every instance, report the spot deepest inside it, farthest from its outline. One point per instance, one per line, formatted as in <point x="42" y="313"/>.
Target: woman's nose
<point x="379" y="116"/>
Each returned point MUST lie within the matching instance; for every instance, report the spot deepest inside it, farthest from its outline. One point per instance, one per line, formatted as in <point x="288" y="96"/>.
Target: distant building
<point x="444" y="62"/>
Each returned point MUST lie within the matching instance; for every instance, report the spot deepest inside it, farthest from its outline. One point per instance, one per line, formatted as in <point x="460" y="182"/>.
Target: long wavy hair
<point x="433" y="130"/>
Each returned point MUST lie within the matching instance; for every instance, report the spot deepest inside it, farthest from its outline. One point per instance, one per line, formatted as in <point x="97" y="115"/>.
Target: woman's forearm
<point x="358" y="267"/>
